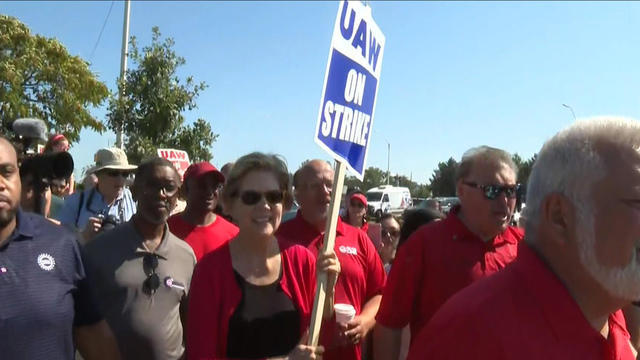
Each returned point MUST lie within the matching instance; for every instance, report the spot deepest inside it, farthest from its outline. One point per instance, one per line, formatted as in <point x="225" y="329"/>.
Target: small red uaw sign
<point x="179" y="158"/>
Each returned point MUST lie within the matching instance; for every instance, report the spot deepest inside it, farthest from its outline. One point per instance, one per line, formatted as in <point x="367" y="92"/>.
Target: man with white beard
<point x="579" y="266"/>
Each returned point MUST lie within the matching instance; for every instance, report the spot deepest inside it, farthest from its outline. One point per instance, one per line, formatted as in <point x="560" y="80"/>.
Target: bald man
<point x="362" y="275"/>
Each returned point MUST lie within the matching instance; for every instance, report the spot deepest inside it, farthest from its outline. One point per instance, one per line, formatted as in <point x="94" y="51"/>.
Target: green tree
<point x="517" y="160"/>
<point x="373" y="177"/>
<point x="421" y="191"/>
<point x="443" y="180"/>
<point x="524" y="167"/>
<point x="152" y="101"/>
<point x="352" y="182"/>
<point x="39" y="78"/>
<point x="525" y="170"/>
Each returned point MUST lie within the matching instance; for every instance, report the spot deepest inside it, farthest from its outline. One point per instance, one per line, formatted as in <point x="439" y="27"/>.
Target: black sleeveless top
<point x="265" y="324"/>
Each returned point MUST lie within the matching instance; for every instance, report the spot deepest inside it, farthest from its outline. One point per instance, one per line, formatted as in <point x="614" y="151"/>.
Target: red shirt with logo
<point x="203" y="239"/>
<point x="215" y="295"/>
<point x="362" y="275"/>
<point x="437" y="261"/>
<point x="522" y="313"/>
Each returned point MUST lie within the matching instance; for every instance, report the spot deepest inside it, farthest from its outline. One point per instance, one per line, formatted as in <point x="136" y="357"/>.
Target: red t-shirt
<point x="362" y="275"/>
<point x="437" y="261"/>
<point x="203" y="239"/>
<point x="215" y="295"/>
<point x="522" y="313"/>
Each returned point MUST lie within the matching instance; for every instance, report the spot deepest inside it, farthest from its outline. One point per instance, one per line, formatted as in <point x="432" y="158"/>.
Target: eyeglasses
<point x="252" y="197"/>
<point x="357" y="204"/>
<point x="149" y="266"/>
<point x="167" y="190"/>
<point x="320" y="186"/>
<point x="116" y="173"/>
<point x="493" y="191"/>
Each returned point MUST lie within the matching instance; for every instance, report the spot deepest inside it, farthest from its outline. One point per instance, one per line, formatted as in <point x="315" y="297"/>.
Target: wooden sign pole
<point x="329" y="242"/>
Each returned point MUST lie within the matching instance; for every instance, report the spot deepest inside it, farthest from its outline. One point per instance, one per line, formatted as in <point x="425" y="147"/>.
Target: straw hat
<point x="111" y="158"/>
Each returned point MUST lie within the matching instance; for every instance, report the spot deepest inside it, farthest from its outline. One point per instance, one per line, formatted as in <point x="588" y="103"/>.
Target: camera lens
<point x="109" y="222"/>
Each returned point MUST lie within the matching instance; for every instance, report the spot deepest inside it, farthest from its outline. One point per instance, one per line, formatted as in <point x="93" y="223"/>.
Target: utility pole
<point x="388" y="161"/>
<point x="123" y="66"/>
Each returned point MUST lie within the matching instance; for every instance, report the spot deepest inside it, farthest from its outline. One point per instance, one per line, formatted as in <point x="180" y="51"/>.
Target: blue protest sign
<point x="350" y="87"/>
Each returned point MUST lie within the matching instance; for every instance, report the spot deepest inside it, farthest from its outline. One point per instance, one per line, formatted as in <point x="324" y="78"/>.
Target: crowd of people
<point x="139" y="262"/>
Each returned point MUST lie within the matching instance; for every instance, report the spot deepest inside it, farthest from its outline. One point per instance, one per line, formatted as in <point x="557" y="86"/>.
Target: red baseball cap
<point x="361" y="197"/>
<point x="202" y="168"/>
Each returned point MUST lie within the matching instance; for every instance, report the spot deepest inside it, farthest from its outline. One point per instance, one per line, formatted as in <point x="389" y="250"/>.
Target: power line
<point x="101" y="31"/>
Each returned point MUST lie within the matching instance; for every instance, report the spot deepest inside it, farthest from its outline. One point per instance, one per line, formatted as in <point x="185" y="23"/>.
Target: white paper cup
<point x="344" y="313"/>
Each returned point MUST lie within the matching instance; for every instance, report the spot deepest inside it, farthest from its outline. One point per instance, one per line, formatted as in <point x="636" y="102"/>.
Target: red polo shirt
<point x="437" y="261"/>
<point x="203" y="239"/>
<point x="362" y="275"/>
<point x="523" y="312"/>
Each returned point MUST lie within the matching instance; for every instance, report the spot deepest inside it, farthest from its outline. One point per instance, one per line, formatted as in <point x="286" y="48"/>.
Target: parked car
<point x="446" y="203"/>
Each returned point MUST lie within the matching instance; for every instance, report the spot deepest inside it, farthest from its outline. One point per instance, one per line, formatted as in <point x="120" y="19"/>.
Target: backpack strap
<point x="79" y="208"/>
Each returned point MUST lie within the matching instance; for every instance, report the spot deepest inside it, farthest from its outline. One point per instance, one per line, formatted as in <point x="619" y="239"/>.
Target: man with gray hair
<point x="443" y="257"/>
<point x="578" y="267"/>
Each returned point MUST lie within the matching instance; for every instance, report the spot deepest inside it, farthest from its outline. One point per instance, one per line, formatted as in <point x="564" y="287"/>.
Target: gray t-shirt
<point x="147" y="326"/>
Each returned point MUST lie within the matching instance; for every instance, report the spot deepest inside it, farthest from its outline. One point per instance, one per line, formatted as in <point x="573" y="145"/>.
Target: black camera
<point x="42" y="169"/>
<point x="108" y="222"/>
<point x="38" y="169"/>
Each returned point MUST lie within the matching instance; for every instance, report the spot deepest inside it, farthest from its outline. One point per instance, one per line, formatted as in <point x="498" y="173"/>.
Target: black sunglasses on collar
<point x="492" y="191"/>
<point x="149" y="266"/>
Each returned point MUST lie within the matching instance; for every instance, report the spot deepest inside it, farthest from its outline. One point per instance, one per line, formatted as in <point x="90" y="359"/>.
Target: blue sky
<point x="454" y="75"/>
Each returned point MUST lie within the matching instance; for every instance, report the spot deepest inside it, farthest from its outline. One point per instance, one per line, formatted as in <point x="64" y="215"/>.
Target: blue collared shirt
<point x="75" y="215"/>
<point x="44" y="291"/>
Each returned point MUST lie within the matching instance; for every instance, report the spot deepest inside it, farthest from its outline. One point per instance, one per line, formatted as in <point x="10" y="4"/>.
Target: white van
<point x="388" y="199"/>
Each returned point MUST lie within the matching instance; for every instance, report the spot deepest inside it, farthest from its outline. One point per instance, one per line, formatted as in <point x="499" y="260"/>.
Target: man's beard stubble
<point x="7" y="216"/>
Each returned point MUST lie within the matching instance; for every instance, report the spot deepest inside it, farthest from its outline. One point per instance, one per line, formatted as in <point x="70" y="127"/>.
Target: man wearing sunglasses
<point x="362" y="275"/>
<point x="198" y="224"/>
<point x="440" y="259"/>
<point x="110" y="199"/>
<point x="578" y="266"/>
<point x="141" y="272"/>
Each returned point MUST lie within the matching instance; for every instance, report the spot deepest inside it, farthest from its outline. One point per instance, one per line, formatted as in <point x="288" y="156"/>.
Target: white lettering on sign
<point x="173" y="155"/>
<point x="354" y="90"/>
<point x="360" y="36"/>
<point x="353" y="124"/>
<point x="179" y="158"/>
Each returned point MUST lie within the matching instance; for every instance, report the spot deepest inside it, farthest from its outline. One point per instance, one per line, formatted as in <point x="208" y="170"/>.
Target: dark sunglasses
<point x="167" y="190"/>
<point x="152" y="282"/>
<point x="116" y="173"/>
<point x="251" y="197"/>
<point x="357" y="204"/>
<point x="493" y="191"/>
<point x="391" y="233"/>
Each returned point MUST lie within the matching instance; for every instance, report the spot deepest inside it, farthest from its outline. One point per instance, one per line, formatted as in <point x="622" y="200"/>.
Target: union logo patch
<point x="46" y="262"/>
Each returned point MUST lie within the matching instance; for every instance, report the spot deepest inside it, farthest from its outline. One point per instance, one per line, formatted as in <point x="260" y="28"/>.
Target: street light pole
<point x="571" y="109"/>
<point x="123" y="66"/>
<point x="388" y="161"/>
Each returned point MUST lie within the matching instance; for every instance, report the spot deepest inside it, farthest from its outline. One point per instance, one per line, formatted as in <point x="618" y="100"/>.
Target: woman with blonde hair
<point x="252" y="297"/>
